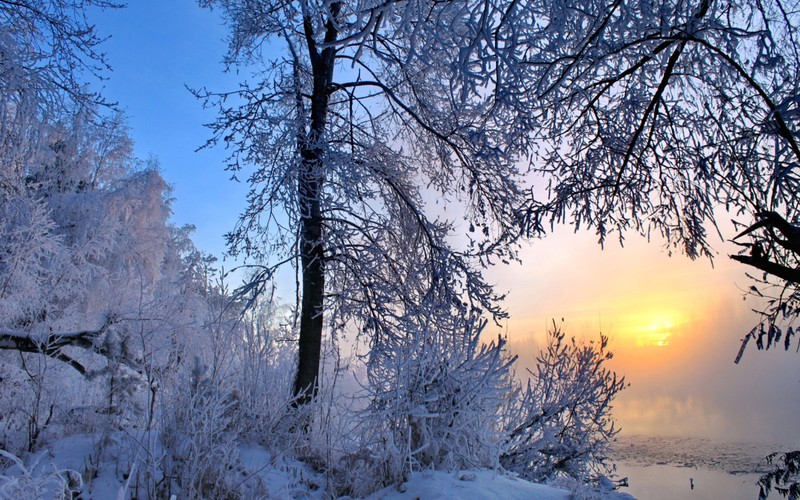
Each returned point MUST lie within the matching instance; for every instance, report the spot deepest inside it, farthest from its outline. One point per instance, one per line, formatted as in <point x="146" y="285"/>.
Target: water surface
<point x="676" y="468"/>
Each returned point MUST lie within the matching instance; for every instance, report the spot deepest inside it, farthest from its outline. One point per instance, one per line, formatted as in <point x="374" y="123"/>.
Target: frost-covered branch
<point x="52" y="344"/>
<point x="561" y="423"/>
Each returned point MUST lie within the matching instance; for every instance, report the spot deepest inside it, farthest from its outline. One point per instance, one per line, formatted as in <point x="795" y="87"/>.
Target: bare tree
<point x="653" y="115"/>
<point x="368" y="125"/>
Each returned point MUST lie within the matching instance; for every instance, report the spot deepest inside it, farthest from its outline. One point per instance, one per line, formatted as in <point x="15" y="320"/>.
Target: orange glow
<point x="656" y="328"/>
<point x="673" y="325"/>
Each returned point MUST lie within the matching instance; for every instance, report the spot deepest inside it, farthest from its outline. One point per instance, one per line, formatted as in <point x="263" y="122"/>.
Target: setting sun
<point x="658" y="333"/>
<point x="652" y="327"/>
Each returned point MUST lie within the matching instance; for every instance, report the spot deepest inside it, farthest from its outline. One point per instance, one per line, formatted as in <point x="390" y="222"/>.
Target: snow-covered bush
<point x="57" y="484"/>
<point x="234" y="392"/>
<point x="263" y="366"/>
<point x="434" y="396"/>
<point x="200" y="434"/>
<point x="561" y="424"/>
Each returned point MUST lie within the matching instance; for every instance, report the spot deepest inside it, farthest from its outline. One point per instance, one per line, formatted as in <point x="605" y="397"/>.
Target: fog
<point x="675" y="327"/>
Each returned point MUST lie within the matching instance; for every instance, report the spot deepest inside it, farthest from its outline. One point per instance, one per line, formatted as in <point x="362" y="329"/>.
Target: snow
<point x="469" y="485"/>
<point x="112" y="462"/>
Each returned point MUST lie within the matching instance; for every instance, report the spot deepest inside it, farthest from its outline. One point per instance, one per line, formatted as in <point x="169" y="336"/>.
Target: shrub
<point x="561" y="423"/>
<point x="434" y="396"/>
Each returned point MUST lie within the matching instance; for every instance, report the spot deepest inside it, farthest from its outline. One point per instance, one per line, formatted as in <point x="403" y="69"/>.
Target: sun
<point x="658" y="333"/>
<point x="654" y="328"/>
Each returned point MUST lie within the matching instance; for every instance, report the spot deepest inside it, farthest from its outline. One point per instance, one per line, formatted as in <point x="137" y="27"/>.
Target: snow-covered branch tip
<point x="52" y="343"/>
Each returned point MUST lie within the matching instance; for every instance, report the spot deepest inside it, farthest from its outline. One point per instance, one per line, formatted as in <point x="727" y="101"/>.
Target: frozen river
<point x="674" y="468"/>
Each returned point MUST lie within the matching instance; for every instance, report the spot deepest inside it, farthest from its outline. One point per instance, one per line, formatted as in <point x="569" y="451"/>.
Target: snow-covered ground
<point x="469" y="485"/>
<point x="485" y="485"/>
<point x="100" y="467"/>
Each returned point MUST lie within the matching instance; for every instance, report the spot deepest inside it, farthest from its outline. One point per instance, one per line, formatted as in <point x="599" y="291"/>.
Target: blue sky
<point x="157" y="48"/>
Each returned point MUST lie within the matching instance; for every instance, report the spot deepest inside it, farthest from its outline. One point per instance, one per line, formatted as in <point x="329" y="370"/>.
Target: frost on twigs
<point x="434" y="393"/>
<point x="784" y="478"/>
<point x="561" y="423"/>
<point x="25" y="482"/>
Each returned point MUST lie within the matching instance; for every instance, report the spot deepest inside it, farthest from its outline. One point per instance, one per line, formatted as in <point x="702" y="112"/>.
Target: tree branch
<point x="789" y="274"/>
<point x="771" y="220"/>
<point x="51" y="344"/>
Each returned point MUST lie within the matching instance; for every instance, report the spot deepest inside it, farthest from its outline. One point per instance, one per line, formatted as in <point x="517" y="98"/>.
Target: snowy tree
<point x="48" y="47"/>
<point x="74" y="254"/>
<point x="652" y="115"/>
<point x="83" y="269"/>
<point x="364" y="122"/>
<point x="92" y="275"/>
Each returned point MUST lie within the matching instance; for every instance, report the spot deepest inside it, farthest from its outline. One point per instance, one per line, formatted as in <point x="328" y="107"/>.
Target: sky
<point x="674" y="324"/>
<point x="157" y="50"/>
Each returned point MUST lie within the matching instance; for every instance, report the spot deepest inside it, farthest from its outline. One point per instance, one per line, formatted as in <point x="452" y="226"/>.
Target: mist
<point x="641" y="296"/>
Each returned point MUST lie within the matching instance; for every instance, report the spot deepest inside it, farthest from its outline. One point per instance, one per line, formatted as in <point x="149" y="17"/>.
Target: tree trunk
<point x="313" y="283"/>
<point x="310" y="190"/>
